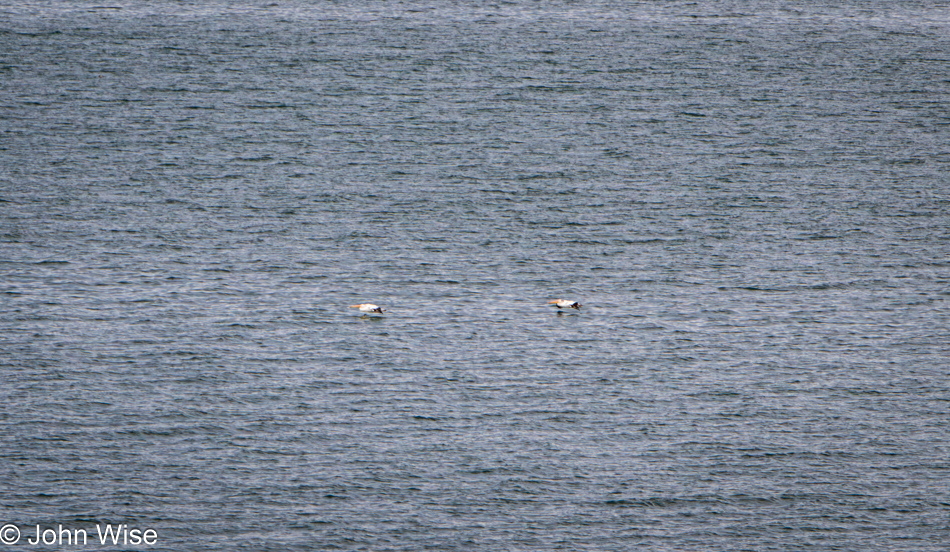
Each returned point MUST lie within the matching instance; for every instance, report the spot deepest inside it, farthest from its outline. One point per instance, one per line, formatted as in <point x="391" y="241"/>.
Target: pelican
<point x="367" y="307"/>
<point x="565" y="304"/>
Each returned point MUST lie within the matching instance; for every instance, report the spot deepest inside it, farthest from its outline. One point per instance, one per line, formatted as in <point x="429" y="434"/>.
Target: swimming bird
<point x="565" y="304"/>
<point x="367" y="307"/>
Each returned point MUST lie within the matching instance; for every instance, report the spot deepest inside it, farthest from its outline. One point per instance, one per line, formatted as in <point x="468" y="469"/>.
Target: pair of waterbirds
<point x="370" y="308"/>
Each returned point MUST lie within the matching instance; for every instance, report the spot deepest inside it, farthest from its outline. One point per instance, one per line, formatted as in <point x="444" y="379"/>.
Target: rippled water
<point x="750" y="199"/>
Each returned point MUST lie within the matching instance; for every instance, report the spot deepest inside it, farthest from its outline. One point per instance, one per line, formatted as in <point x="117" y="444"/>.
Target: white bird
<point x="367" y="307"/>
<point x="565" y="304"/>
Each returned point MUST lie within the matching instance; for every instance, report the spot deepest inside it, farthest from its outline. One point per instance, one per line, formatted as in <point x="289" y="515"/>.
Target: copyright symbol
<point x="9" y="534"/>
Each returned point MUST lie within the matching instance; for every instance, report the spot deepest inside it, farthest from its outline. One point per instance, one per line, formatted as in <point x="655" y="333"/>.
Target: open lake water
<point x="751" y="199"/>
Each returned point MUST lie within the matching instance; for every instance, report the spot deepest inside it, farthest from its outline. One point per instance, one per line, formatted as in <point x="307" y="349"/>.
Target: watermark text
<point x="103" y="534"/>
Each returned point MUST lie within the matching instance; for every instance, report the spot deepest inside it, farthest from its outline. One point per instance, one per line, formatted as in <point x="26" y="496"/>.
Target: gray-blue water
<point x="751" y="199"/>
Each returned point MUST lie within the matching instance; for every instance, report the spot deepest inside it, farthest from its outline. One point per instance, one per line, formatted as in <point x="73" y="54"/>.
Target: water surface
<point x="750" y="199"/>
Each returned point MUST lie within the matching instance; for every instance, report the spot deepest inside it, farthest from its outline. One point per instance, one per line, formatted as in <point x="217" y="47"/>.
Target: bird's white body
<point x="367" y="307"/>
<point x="565" y="304"/>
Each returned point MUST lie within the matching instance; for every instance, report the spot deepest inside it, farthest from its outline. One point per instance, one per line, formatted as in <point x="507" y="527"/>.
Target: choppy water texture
<point x="749" y="198"/>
